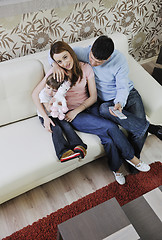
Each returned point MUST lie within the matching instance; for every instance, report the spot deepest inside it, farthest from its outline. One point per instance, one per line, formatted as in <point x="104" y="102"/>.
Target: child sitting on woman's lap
<point x="68" y="149"/>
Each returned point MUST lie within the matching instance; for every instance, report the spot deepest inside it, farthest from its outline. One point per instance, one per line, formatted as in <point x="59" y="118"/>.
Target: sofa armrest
<point x="17" y="81"/>
<point x="149" y="89"/>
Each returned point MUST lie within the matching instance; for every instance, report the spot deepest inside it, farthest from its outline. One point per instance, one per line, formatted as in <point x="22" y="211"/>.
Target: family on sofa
<point x="98" y="80"/>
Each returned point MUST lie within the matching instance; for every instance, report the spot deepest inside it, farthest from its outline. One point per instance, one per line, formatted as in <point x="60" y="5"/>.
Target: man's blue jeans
<point x="115" y="143"/>
<point x="136" y="123"/>
<point x="60" y="143"/>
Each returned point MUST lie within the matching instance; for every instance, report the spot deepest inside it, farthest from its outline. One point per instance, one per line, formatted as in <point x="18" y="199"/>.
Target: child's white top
<point x="44" y="98"/>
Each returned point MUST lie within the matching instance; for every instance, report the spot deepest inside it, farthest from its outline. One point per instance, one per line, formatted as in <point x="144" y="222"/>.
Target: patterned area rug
<point x="136" y="185"/>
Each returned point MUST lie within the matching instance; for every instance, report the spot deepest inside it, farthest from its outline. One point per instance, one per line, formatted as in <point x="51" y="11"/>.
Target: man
<point x="114" y="88"/>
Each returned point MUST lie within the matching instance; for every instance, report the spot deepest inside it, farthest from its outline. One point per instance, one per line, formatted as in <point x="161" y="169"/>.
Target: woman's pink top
<point x="78" y="93"/>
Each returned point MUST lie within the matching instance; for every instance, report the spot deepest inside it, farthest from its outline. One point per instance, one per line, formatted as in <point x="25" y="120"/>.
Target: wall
<point x="32" y="32"/>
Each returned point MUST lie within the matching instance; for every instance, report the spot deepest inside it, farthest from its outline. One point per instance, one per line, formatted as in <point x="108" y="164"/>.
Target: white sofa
<point x="27" y="155"/>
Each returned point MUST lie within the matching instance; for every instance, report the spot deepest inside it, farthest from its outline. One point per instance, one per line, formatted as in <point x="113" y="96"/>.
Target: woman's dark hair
<point x="52" y="82"/>
<point x="102" y="48"/>
<point x="61" y="46"/>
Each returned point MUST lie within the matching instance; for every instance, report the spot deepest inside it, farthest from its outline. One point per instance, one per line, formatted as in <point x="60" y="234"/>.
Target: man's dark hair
<point x="102" y="48"/>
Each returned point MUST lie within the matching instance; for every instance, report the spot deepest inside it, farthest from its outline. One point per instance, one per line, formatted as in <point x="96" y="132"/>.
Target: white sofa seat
<point x="28" y="157"/>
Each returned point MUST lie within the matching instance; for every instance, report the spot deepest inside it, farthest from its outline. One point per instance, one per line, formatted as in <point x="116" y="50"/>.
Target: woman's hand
<point x="58" y="72"/>
<point x="71" y="115"/>
<point x="47" y="123"/>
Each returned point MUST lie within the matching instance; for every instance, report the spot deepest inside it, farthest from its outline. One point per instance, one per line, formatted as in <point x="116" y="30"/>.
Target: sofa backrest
<point x="17" y="81"/>
<point x="120" y="42"/>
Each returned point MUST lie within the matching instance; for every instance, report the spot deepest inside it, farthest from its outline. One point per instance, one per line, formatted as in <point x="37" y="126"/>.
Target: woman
<point x="84" y="115"/>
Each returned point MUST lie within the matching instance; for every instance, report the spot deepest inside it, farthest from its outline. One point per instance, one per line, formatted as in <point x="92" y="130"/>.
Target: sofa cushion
<point x="28" y="157"/>
<point x="17" y="81"/>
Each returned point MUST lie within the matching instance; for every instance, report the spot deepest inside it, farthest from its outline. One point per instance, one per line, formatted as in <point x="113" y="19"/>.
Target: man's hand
<point x="47" y="122"/>
<point x="117" y="106"/>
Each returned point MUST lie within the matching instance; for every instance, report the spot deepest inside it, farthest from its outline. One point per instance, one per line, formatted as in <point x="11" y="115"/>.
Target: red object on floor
<point x="136" y="186"/>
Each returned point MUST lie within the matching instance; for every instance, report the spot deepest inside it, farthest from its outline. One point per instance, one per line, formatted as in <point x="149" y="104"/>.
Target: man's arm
<point x="122" y="84"/>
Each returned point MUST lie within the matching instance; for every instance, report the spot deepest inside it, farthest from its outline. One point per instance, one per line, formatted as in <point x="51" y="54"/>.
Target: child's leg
<point x="60" y="144"/>
<point x="72" y="137"/>
<point x="81" y="150"/>
<point x="62" y="147"/>
<point x="74" y="140"/>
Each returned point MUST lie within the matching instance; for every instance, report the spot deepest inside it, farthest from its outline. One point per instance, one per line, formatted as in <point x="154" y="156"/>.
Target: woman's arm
<point x="35" y="97"/>
<point x="57" y="70"/>
<point x="87" y="103"/>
